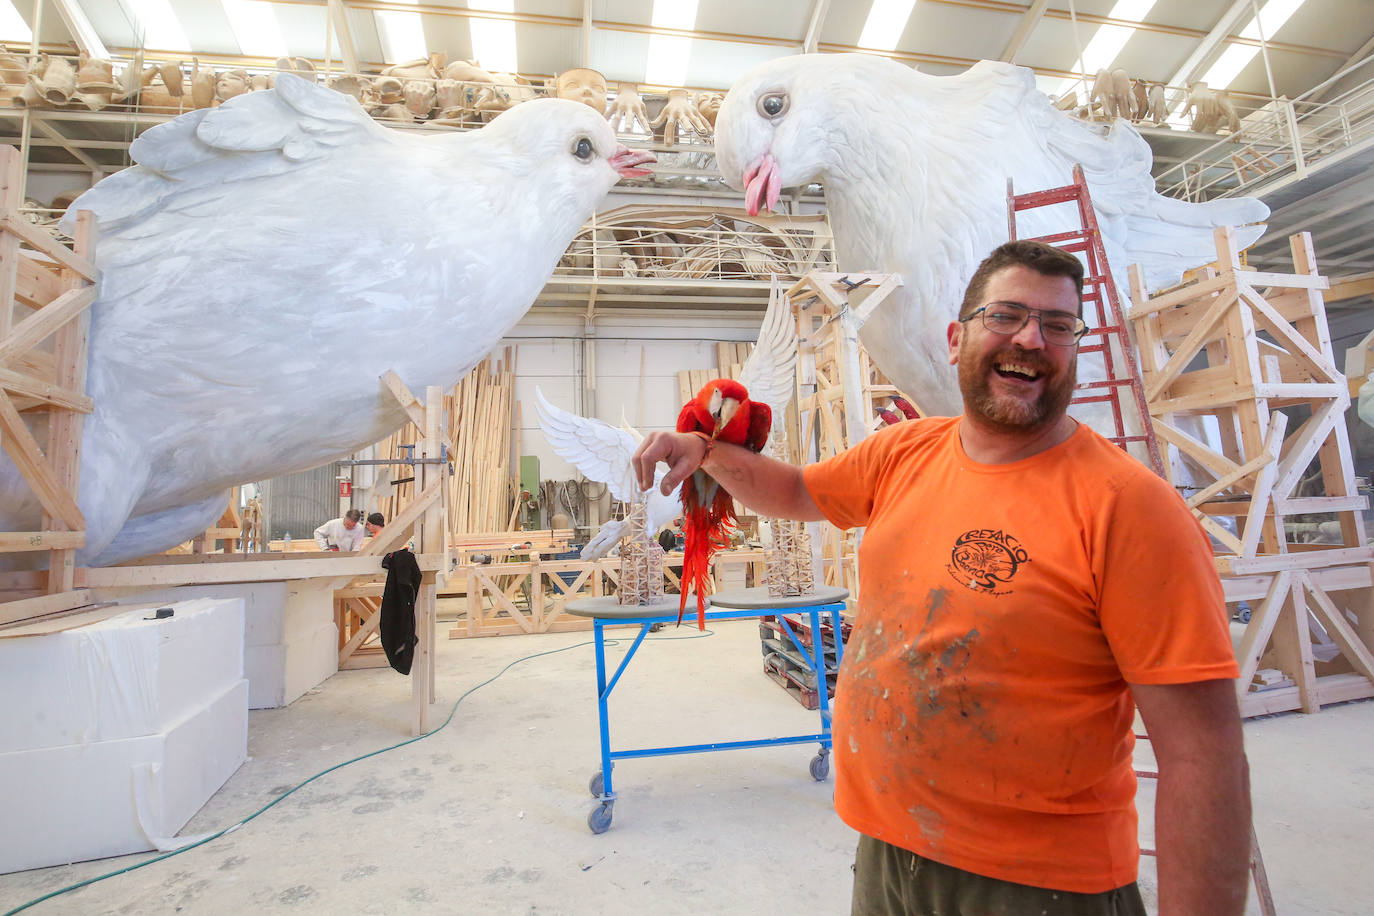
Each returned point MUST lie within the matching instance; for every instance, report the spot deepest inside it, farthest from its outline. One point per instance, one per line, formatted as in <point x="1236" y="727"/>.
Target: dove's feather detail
<point x="770" y="372"/>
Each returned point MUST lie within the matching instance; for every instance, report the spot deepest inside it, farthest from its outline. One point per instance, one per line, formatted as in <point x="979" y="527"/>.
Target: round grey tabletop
<point x="758" y="597"/>
<point x="607" y="607"/>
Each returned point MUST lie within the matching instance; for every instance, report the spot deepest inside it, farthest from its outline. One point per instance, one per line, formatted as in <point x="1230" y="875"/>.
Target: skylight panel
<point x="1272" y="16"/>
<point x="885" y="23"/>
<point x="1106" y="43"/>
<point x="403" y="35"/>
<point x="159" y="25"/>
<point x="255" y="27"/>
<point x="12" y="25"/>
<point x="493" y="40"/>
<point x="670" y="54"/>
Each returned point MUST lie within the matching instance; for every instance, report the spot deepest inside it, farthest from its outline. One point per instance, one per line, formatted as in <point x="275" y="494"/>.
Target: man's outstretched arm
<point x="770" y="487"/>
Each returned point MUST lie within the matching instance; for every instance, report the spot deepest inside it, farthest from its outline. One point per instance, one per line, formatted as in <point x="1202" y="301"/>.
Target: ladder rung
<point x="1045" y="198"/>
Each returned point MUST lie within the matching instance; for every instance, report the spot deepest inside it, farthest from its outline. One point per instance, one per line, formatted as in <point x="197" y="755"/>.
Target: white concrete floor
<point x="489" y="814"/>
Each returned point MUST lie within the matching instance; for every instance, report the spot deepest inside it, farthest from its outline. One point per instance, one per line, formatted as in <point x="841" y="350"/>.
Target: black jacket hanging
<point x="398" y="608"/>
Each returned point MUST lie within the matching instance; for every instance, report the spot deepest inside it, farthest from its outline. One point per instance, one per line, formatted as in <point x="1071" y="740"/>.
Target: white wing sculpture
<point x="601" y="452"/>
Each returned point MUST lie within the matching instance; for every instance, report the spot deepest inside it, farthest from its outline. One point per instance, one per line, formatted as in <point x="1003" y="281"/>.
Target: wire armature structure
<point x="788" y="558"/>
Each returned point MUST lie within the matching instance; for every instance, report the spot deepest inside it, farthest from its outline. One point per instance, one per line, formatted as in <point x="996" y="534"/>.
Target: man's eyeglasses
<point x="1059" y="328"/>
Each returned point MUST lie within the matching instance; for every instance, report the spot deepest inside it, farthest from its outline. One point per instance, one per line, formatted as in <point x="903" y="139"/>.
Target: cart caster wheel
<point x="600" y="819"/>
<point x="820" y="767"/>
<point x="597" y="785"/>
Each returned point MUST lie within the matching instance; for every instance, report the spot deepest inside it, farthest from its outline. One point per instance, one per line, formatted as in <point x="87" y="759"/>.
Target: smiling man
<point x="1025" y="586"/>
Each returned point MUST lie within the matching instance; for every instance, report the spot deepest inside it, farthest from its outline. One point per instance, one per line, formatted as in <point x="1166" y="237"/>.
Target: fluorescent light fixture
<point x="1106" y="43"/>
<point x="403" y="35"/>
<point x="493" y="40"/>
<point x="159" y="25"/>
<point x="885" y="23"/>
<point x="255" y="27"/>
<point x="1272" y="16"/>
<point x="12" y="25"/>
<point x="670" y="54"/>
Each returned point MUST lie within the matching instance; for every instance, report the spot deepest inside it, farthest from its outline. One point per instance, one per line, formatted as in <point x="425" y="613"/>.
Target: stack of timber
<point x="481" y="418"/>
<point x="46" y="290"/>
<point x="1249" y="355"/>
<point x="784" y="663"/>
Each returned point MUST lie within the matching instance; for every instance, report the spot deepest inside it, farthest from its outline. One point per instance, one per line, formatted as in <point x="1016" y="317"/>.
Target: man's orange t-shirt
<point x="982" y="714"/>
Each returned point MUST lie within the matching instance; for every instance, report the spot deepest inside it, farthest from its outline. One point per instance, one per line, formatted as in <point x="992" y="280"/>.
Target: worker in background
<point x="1022" y="581"/>
<point x="374" y="524"/>
<point x="341" y="533"/>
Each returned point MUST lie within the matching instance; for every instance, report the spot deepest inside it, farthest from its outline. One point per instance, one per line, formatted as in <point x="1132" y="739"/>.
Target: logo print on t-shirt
<point x="984" y="559"/>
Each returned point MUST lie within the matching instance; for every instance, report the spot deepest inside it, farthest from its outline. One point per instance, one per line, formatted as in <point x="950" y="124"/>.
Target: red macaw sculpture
<point x="723" y="412"/>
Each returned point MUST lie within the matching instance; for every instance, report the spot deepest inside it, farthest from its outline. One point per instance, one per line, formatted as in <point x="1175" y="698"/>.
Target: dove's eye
<point x="583" y="149"/>
<point x="772" y="104"/>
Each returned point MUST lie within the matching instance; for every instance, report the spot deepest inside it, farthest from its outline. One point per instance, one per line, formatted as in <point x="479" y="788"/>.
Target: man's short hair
<point x="376" y="518"/>
<point x="1038" y="256"/>
<point x="353" y="514"/>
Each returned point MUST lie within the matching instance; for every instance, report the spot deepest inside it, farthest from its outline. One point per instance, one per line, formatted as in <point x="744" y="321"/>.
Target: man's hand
<point x="682" y="452"/>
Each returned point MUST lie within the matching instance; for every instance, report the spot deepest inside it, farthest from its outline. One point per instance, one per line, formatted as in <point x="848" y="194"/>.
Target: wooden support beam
<point x="23" y="450"/>
<point x="40" y="240"/>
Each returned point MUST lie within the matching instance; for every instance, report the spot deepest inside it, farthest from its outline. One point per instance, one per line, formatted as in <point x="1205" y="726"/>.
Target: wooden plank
<point x="1196" y="339"/>
<point x="45" y="322"/>
<point x="1335" y="624"/>
<point x="39" y="240"/>
<point x="43" y="605"/>
<point x="11" y="198"/>
<point x="23" y="450"/>
<point x="47" y="392"/>
<point x="1333" y="688"/>
<point x="409" y="403"/>
<point x="246" y="570"/>
<point x="12" y="541"/>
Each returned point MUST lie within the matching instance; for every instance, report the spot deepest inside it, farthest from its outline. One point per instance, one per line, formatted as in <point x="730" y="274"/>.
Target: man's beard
<point x="1012" y="413"/>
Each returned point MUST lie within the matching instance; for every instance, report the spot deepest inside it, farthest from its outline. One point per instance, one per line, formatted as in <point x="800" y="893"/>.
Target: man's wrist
<point x="704" y="438"/>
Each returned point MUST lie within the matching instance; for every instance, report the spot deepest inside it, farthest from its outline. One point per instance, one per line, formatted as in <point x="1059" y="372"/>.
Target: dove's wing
<point x="770" y="372"/>
<point x="253" y="135"/>
<point x="599" y="451"/>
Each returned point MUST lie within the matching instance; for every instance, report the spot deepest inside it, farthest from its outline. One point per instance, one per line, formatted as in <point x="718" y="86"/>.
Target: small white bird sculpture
<point x="266" y="261"/>
<point x="915" y="169"/>
<point x="602" y="453"/>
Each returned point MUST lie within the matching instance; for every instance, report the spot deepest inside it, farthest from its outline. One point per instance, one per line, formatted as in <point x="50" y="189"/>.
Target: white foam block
<point x="264" y="603"/>
<point x="124" y="677"/>
<point x="111" y="798"/>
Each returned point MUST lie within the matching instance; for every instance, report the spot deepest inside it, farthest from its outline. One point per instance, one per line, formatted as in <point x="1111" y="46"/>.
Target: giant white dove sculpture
<point x="602" y="452"/>
<point x="915" y="169"/>
<point x="267" y="260"/>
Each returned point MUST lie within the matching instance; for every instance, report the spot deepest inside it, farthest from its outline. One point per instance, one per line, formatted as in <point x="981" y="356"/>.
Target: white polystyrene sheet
<point x="123" y="677"/>
<point x="110" y="798"/>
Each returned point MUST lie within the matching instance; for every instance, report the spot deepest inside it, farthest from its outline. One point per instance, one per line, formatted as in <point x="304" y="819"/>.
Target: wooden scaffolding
<point x="839" y="388"/>
<point x="1242" y="385"/>
<point x="46" y="290"/>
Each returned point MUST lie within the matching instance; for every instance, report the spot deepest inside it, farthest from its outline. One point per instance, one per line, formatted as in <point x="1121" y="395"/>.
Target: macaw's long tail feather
<point x="706" y="528"/>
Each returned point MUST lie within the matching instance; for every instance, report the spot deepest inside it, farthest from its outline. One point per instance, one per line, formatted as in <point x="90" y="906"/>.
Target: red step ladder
<point x="1099" y="289"/>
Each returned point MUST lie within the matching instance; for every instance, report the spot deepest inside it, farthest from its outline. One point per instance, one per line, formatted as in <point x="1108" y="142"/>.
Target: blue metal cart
<point x="733" y="605"/>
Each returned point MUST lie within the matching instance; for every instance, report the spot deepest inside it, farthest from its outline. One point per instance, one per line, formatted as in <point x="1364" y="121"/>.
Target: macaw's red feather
<point x="708" y="511"/>
<point x="706" y="528"/>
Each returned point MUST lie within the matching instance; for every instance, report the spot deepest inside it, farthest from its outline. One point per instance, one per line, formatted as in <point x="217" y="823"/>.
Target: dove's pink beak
<point x="762" y="183"/>
<point x="625" y="159"/>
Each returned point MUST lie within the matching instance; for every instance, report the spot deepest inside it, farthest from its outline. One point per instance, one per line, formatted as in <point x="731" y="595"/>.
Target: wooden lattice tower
<point x="641" y="561"/>
<point x="1247" y="356"/>
<point x="45" y="295"/>
<point x="788" y="558"/>
<point x="837" y="385"/>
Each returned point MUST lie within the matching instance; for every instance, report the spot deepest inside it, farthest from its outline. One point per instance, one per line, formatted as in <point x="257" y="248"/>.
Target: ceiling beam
<point x="348" y="51"/>
<point x="1206" y="50"/>
<point x="1351" y="63"/>
<point x="79" y="24"/>
<point x="812" y="40"/>
<point x="1029" y="20"/>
